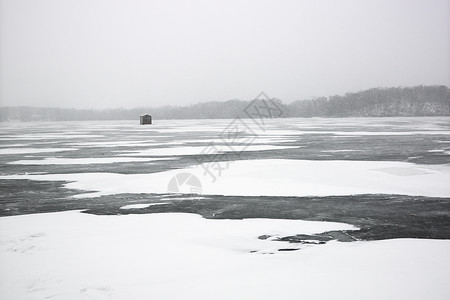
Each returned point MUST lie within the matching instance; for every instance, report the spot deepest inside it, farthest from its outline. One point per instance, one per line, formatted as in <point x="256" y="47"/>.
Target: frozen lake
<point x="115" y="210"/>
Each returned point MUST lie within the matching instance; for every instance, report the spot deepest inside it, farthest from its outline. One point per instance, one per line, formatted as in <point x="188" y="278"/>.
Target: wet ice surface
<point x="317" y="139"/>
<point x="386" y="177"/>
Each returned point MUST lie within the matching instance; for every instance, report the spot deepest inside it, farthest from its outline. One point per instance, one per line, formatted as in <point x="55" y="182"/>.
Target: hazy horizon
<point x="200" y="102"/>
<point x="110" y="54"/>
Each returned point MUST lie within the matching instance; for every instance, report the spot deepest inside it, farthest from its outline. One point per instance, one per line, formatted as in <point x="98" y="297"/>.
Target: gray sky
<point x="105" y="53"/>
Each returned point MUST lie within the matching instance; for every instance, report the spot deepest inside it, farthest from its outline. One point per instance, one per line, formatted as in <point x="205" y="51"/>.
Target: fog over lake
<point x="109" y="54"/>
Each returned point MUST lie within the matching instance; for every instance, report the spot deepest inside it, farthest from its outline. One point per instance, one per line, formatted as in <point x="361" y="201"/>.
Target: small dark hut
<point x="146" y="119"/>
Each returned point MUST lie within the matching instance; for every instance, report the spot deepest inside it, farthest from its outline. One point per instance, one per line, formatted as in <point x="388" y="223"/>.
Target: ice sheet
<point x="358" y="133"/>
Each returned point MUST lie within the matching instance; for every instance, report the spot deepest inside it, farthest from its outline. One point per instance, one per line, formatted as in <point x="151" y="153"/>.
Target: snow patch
<point x="276" y="177"/>
<point x="144" y="205"/>
<point x="70" y="255"/>
<point x="197" y="150"/>
<point x="6" y="151"/>
<point x="82" y="161"/>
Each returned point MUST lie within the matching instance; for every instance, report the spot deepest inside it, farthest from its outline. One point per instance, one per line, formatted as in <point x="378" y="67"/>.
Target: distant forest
<point x="376" y="102"/>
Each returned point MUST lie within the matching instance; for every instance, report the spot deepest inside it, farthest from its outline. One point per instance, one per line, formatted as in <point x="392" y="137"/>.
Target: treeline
<point x="376" y="102"/>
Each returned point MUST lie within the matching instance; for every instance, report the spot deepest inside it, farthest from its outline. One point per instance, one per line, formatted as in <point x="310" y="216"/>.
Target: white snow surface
<point x="113" y="143"/>
<point x="141" y="205"/>
<point x="5" y="151"/>
<point x="275" y="177"/>
<point x="341" y="150"/>
<point x="65" y="135"/>
<point x="14" y="145"/>
<point x="81" y="161"/>
<point x="70" y="255"/>
<point x="196" y="150"/>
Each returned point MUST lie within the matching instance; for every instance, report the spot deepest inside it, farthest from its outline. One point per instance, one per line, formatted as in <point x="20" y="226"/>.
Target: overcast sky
<point x="104" y="53"/>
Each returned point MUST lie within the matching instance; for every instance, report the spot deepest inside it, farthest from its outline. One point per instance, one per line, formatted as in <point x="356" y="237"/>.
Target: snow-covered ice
<point x="196" y="150"/>
<point x="358" y="133"/>
<point x="341" y="150"/>
<point x="112" y="143"/>
<point x="81" y="161"/>
<point x="58" y="136"/>
<point x="141" y="205"/>
<point x="70" y="255"/>
<point x="276" y="177"/>
<point x="6" y="151"/>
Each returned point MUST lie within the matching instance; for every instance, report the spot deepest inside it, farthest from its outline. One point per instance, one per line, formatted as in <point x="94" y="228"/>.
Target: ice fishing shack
<point x="146" y="119"/>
